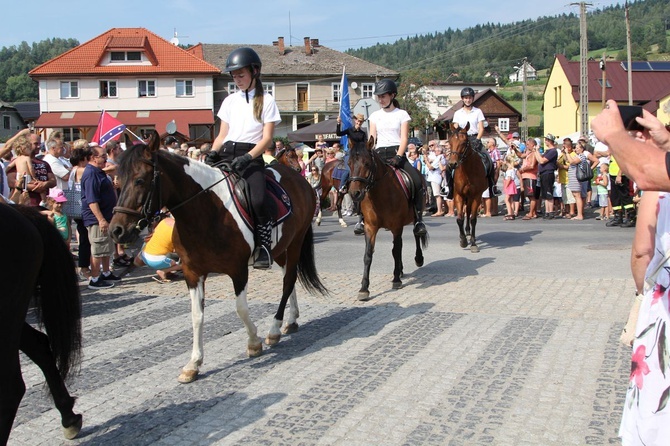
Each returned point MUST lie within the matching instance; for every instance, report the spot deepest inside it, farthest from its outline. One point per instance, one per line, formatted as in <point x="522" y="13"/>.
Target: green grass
<point x="533" y="110"/>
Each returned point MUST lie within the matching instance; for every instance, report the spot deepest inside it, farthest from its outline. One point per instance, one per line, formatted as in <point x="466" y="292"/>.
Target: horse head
<point x="459" y="144"/>
<point x="139" y="179"/>
<point x="289" y="157"/>
<point x="362" y="166"/>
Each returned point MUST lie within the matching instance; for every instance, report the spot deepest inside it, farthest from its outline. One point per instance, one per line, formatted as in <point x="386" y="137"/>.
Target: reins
<point x="463" y="154"/>
<point x="145" y="215"/>
<point x="370" y="180"/>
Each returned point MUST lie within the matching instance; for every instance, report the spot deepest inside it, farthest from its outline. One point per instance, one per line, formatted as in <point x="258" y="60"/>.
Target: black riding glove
<point x="212" y="157"/>
<point x="396" y="161"/>
<point x="241" y="162"/>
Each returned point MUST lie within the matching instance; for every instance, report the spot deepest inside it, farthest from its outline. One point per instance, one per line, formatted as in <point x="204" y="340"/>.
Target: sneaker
<point x="496" y="191"/>
<point x="110" y="276"/>
<point x="99" y="284"/>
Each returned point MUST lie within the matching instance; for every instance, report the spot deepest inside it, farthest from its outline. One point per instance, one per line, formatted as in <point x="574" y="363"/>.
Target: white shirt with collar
<point x="474" y="117"/>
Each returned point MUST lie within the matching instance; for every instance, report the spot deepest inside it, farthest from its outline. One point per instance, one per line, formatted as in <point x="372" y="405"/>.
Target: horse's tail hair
<point x="57" y="298"/>
<point x="307" y="274"/>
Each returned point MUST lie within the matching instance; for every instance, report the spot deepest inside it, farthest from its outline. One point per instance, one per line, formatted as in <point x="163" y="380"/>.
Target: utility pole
<point x="584" y="69"/>
<point x="630" y="58"/>
<point x="603" y="67"/>
<point x="524" y="115"/>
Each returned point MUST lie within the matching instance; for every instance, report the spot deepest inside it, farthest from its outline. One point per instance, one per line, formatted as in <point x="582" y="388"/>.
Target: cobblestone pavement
<point x="508" y="359"/>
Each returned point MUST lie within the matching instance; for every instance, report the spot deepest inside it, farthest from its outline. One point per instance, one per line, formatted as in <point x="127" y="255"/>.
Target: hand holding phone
<point x="628" y="114"/>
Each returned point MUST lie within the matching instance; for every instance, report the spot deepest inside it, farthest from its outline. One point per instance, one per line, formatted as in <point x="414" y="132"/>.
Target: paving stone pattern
<point x="445" y="361"/>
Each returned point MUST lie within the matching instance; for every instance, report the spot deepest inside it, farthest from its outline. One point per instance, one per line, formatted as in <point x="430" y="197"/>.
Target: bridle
<point x="146" y="215"/>
<point x="463" y="154"/>
<point x="369" y="180"/>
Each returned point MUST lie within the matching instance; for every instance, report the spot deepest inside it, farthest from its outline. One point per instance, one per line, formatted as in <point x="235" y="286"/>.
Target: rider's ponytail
<point x="258" y="96"/>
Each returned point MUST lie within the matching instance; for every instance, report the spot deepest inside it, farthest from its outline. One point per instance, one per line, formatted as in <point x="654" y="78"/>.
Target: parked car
<point x="416" y="141"/>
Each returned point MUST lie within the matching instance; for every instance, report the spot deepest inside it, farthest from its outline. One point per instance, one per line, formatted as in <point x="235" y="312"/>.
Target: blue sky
<point x="339" y="25"/>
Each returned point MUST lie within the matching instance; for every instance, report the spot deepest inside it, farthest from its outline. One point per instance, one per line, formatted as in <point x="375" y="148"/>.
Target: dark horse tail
<point x="57" y="298"/>
<point x="307" y="274"/>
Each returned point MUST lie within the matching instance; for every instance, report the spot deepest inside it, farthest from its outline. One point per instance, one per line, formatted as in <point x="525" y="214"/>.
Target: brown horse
<point x="384" y="205"/>
<point x="211" y="236"/>
<point x="328" y="182"/>
<point x="289" y="158"/>
<point x="469" y="182"/>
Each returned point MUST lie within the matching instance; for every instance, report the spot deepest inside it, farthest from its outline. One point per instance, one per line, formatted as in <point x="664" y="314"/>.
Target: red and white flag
<point x="109" y="128"/>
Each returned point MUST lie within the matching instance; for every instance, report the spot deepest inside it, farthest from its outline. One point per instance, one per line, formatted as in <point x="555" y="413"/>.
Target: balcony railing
<point x="321" y="105"/>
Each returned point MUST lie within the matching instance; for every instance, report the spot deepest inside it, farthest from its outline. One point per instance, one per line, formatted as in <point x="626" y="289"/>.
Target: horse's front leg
<point x="458" y="206"/>
<point x="254" y="343"/>
<point x="397" y="260"/>
<point x="418" y="255"/>
<point x="370" y="237"/>
<point x="190" y="372"/>
<point x="473" y="221"/>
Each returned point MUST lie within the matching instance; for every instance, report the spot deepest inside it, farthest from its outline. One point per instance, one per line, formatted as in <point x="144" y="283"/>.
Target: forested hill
<point x="494" y="48"/>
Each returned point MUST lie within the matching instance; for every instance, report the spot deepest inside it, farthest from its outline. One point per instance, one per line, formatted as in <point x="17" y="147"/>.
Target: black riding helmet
<point x="243" y="57"/>
<point x="467" y="91"/>
<point x="385" y="86"/>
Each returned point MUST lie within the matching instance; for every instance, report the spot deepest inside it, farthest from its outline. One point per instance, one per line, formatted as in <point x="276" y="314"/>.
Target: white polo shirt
<point x="239" y="115"/>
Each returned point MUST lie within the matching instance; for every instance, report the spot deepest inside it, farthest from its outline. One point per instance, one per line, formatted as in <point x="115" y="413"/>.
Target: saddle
<point x="276" y="199"/>
<point x="408" y="187"/>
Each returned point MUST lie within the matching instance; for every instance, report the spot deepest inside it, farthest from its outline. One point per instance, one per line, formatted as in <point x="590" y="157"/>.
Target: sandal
<point x="159" y="280"/>
<point x="120" y="261"/>
<point x="509" y="217"/>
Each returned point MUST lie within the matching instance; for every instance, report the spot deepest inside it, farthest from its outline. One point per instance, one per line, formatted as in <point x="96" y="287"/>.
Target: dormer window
<point x="126" y="56"/>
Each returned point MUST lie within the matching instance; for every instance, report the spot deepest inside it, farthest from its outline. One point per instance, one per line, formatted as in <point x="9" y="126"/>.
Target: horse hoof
<point x="343" y="223"/>
<point x="464" y="244"/>
<point x="474" y="248"/>
<point x="418" y="262"/>
<point x="272" y="339"/>
<point x="71" y="432"/>
<point x="187" y="376"/>
<point x="254" y="351"/>
<point x="318" y="222"/>
<point x="291" y="328"/>
<point x="363" y="296"/>
<point x="397" y="285"/>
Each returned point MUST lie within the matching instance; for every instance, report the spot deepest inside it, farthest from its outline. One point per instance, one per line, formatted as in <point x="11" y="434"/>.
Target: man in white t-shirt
<point x="469" y="114"/>
<point x="55" y="150"/>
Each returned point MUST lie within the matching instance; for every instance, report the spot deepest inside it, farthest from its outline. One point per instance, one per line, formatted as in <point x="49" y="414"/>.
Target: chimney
<point x="281" y="46"/>
<point x="315" y="43"/>
<point x="308" y="47"/>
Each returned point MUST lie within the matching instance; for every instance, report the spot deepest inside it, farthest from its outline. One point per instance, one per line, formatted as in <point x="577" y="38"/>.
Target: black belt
<point x="232" y="145"/>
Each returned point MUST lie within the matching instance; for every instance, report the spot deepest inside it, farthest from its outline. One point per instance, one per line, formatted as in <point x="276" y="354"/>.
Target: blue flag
<point x="345" y="110"/>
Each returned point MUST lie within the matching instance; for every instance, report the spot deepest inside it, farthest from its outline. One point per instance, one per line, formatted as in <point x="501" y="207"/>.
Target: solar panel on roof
<point x="648" y="66"/>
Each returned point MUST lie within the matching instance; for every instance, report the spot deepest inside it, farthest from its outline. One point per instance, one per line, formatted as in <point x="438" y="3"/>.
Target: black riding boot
<point x="419" y="226"/>
<point x="629" y="219"/>
<point x="263" y="252"/>
<point x="450" y="185"/>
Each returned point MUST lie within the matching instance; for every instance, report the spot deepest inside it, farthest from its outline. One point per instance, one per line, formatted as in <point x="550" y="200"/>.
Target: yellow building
<point x="562" y="114"/>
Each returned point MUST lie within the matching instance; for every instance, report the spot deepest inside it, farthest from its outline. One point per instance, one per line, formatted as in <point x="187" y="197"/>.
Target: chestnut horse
<point x="384" y="205"/>
<point x="328" y="182"/>
<point x="38" y="265"/>
<point x="211" y="236"/>
<point x="289" y="158"/>
<point x="470" y="182"/>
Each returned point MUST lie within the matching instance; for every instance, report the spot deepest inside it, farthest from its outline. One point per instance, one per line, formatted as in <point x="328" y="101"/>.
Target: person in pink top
<point x="528" y="173"/>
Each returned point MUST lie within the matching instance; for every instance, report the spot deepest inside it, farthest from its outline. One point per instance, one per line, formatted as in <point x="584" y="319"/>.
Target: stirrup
<point x="420" y="229"/>
<point x="262" y="258"/>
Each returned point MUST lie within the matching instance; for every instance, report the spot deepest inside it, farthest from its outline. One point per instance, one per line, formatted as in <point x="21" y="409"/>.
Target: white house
<point x="517" y="76"/>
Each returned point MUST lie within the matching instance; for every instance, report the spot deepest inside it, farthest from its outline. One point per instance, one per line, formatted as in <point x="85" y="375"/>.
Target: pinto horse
<point x="384" y="204"/>
<point x="211" y="236"/>
<point x="470" y="182"/>
<point x="40" y="265"/>
<point x="328" y="182"/>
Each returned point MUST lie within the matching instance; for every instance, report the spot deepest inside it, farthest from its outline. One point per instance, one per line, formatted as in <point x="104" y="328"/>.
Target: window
<point x="146" y="89"/>
<point x="107" y="89"/>
<point x="503" y="124"/>
<point x="607" y="83"/>
<point x="184" y="88"/>
<point x="6" y="122"/>
<point x="126" y="56"/>
<point x="337" y="92"/>
<point x="267" y="88"/>
<point x="443" y="101"/>
<point x="71" y="134"/>
<point x="69" y="89"/>
<point x="367" y="90"/>
<point x="557" y="96"/>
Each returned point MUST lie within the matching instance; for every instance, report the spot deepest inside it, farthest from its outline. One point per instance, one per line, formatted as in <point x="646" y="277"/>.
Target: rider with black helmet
<point x="390" y="128"/>
<point x="248" y="117"/>
<point x="473" y="115"/>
